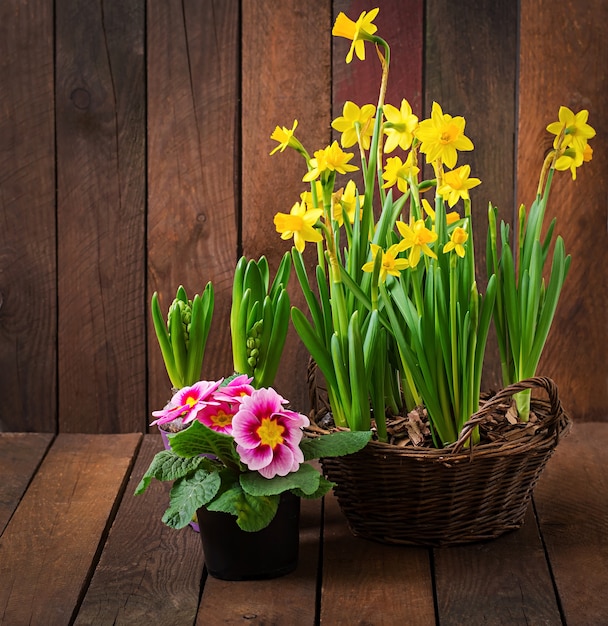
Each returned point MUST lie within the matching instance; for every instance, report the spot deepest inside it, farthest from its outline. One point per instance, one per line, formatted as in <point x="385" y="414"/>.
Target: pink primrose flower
<point x="238" y="388"/>
<point x="187" y="402"/>
<point x="218" y="415"/>
<point x="268" y="435"/>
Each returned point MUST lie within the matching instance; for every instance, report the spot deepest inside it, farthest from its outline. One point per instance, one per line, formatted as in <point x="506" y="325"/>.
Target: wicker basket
<point x="458" y="494"/>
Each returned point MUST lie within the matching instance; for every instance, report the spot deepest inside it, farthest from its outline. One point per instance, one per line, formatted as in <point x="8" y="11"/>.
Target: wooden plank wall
<point x="134" y="141"/>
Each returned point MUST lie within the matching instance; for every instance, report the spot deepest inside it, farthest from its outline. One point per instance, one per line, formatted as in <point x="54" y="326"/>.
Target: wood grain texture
<point x="20" y="454"/>
<point x="563" y="55"/>
<point x="193" y="166"/>
<point x="471" y="70"/>
<point x="505" y="581"/>
<point x="571" y="499"/>
<point x="145" y="562"/>
<point x="28" y="317"/>
<point x="51" y="541"/>
<point x="367" y="583"/>
<point x="257" y="602"/>
<point x="101" y="194"/>
<point x="285" y="76"/>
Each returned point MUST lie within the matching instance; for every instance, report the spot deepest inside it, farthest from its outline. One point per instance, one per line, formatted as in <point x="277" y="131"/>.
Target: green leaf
<point x="198" y="439"/>
<point x="334" y="444"/>
<point x="306" y="478"/>
<point x="252" y="512"/>
<point x="325" y="486"/>
<point x="189" y="494"/>
<point x="166" y="465"/>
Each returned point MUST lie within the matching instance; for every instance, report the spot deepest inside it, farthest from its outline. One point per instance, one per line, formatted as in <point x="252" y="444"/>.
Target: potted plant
<point x="397" y="324"/>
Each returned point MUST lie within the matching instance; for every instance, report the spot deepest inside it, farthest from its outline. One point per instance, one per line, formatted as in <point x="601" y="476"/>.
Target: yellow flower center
<point x="270" y="432"/>
<point x="449" y="134"/>
<point x="190" y="401"/>
<point x="221" y="418"/>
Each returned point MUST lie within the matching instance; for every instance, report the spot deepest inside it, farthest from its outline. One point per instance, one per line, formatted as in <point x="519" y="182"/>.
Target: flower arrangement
<point x="396" y="320"/>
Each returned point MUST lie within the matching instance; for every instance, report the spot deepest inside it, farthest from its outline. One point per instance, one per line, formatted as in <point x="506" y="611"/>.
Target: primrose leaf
<point x="305" y="479"/>
<point x="324" y="487"/>
<point x="168" y="466"/>
<point x="189" y="494"/>
<point x="334" y="444"/>
<point x="198" y="439"/>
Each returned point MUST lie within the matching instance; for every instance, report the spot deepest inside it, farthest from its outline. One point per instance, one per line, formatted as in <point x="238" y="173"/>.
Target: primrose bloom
<point x="456" y="185"/>
<point x="332" y="159"/>
<point x="390" y="263"/>
<point x="399" y="126"/>
<point x="416" y="239"/>
<point x="236" y="389"/>
<point x="357" y="31"/>
<point x="218" y="416"/>
<point x="187" y="402"/>
<point x="441" y="136"/>
<point x="355" y="123"/>
<point x="457" y="241"/>
<point x="267" y="435"/>
<point x="299" y="224"/>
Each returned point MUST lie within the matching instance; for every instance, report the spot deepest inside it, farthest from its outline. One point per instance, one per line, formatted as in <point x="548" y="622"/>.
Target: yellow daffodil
<point x="285" y="138"/>
<point x="357" y="32"/>
<point x="306" y="197"/>
<point x="572" y="159"/>
<point x="396" y="171"/>
<point x="456" y="185"/>
<point x="450" y="217"/>
<point x="399" y="126"/>
<point x="355" y="123"/>
<point x="390" y="263"/>
<point x="345" y="202"/>
<point x="457" y="241"/>
<point x="575" y="128"/>
<point x="299" y="224"/>
<point x="416" y="239"/>
<point x="441" y="136"/>
<point x="332" y="158"/>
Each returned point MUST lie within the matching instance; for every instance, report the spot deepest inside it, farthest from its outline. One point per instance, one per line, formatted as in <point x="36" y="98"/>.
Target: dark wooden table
<point x="76" y="547"/>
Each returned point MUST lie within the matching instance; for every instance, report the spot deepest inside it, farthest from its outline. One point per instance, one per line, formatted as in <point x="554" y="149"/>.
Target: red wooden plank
<point x="569" y="70"/>
<point x="193" y="164"/>
<point x="572" y="504"/>
<point x="20" y="454"/>
<point x="28" y="317"/>
<point x="369" y="583"/>
<point x="287" y="600"/>
<point x="148" y="573"/>
<point x="101" y="195"/>
<point x="50" y="543"/>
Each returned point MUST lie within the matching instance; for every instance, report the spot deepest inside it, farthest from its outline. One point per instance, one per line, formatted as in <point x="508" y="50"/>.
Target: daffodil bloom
<point x="357" y="32"/>
<point x="390" y="263"/>
<point x="267" y="435"/>
<point x="416" y="238"/>
<point x="355" y="123"/>
<point x="332" y="159"/>
<point x="396" y="171"/>
<point x="286" y="138"/>
<point x="456" y="185"/>
<point x="345" y="202"/>
<point x="299" y="224"/>
<point x="450" y="218"/>
<point x="441" y="136"/>
<point x="399" y="126"/>
<point x="574" y="127"/>
<point x="457" y="241"/>
<point x="572" y="159"/>
<point x="187" y="402"/>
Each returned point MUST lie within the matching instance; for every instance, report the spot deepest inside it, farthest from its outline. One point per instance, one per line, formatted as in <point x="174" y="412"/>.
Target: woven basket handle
<point x="488" y="409"/>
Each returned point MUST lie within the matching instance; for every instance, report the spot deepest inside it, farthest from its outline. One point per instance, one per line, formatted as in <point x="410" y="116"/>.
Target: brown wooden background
<point x="134" y="141"/>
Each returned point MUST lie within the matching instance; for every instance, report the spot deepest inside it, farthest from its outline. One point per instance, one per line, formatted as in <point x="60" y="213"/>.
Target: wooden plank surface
<point x="51" y="541"/>
<point x="20" y="454"/>
<point x="569" y="69"/>
<point x="504" y="581"/>
<point x="101" y="225"/>
<point x="370" y="583"/>
<point x="28" y="316"/>
<point x="259" y="602"/>
<point x="148" y="573"/>
<point x="193" y="166"/>
<point x="572" y="504"/>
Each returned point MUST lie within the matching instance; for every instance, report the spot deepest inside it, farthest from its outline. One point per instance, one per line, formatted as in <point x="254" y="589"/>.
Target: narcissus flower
<point x="355" y="123"/>
<point x="572" y="159"/>
<point x="299" y="224"/>
<point x="416" y="239"/>
<point x="267" y="435"/>
<point x="399" y="126"/>
<point x="575" y="128"/>
<point x="456" y="184"/>
<point x="396" y="171"/>
<point x="345" y="203"/>
<point x="450" y="217"/>
<point x="187" y="402"/>
<point x="332" y="159"/>
<point x="457" y="241"/>
<point x="358" y="32"/>
<point x="441" y="136"/>
<point x="390" y="263"/>
<point x="285" y="137"/>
